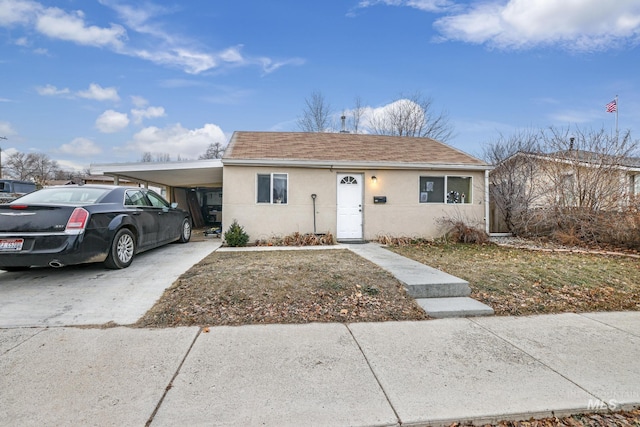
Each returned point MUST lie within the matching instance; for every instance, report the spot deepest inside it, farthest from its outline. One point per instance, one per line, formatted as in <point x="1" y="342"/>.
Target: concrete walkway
<point x="369" y="374"/>
<point x="438" y="293"/>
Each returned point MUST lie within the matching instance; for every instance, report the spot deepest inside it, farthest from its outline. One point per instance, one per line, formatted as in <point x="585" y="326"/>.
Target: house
<point x="356" y="186"/>
<point x="569" y="179"/>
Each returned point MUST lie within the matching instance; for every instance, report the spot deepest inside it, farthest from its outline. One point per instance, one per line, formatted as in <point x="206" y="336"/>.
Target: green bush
<point x="235" y="235"/>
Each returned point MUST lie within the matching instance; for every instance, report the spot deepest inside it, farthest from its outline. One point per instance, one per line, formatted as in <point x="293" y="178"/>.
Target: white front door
<point x="349" y="206"/>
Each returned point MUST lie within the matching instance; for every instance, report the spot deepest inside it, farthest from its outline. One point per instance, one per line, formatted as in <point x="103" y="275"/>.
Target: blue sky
<point x="101" y="81"/>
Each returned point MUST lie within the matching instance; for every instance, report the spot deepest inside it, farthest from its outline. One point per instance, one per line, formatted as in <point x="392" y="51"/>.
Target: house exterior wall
<point x="401" y="215"/>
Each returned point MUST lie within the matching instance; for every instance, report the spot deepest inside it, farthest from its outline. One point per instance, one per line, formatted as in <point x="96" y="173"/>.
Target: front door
<point x="349" y="226"/>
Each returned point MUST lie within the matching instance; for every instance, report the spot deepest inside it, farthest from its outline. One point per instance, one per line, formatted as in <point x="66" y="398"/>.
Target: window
<point x="135" y="198"/>
<point x="349" y="180"/>
<point x="445" y="189"/>
<point x="157" y="201"/>
<point x="272" y="188"/>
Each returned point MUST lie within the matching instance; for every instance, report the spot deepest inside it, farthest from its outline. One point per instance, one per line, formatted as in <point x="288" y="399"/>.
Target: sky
<point x="105" y="81"/>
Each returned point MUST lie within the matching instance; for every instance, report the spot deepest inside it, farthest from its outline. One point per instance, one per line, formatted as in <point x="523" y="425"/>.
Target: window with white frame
<point x="272" y="188"/>
<point x="445" y="189"/>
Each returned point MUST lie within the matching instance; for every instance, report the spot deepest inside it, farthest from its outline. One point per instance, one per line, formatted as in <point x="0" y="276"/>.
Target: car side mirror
<point x="174" y="205"/>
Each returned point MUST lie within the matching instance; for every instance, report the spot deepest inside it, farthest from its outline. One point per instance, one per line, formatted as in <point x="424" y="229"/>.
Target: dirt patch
<point x="237" y="288"/>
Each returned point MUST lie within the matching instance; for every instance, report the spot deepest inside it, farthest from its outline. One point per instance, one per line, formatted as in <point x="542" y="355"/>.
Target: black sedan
<point x="75" y="224"/>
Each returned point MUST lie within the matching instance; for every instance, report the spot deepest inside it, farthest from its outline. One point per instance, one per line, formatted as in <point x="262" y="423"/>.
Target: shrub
<point x="460" y="232"/>
<point x="297" y="239"/>
<point x="235" y="235"/>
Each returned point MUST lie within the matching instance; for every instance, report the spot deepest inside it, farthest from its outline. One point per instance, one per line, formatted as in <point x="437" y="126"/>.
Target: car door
<point x="169" y="220"/>
<point x="144" y="216"/>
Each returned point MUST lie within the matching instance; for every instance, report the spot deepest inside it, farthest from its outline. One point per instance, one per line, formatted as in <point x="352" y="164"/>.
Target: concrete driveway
<point x="92" y="295"/>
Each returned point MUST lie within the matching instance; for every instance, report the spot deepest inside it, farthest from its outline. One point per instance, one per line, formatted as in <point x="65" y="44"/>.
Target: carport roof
<point x="196" y="173"/>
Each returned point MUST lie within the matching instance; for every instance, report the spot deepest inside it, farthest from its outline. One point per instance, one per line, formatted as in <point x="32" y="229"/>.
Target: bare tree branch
<point x="316" y="116"/>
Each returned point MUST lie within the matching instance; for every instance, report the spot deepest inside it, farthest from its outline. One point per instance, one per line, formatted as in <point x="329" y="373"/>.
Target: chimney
<point x="344" y="124"/>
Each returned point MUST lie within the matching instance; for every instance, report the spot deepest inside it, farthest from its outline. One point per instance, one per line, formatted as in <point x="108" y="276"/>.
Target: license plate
<point x="11" y="245"/>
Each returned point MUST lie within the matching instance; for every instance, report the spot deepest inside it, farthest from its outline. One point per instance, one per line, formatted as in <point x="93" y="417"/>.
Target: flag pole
<point x="617" y="108"/>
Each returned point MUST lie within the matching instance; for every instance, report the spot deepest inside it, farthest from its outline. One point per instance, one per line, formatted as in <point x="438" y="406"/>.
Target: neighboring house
<point x="573" y="179"/>
<point x="355" y="186"/>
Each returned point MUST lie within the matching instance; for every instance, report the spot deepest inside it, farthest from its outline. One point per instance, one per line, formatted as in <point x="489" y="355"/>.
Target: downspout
<point x="487" y="228"/>
<point x="313" y="196"/>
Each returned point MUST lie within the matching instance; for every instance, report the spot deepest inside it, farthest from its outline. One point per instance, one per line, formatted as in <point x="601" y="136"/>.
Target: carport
<point x="195" y="185"/>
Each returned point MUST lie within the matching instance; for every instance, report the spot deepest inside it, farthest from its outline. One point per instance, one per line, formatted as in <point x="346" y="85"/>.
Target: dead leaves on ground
<point x="236" y="288"/>
<point x="605" y="419"/>
<point x="523" y="282"/>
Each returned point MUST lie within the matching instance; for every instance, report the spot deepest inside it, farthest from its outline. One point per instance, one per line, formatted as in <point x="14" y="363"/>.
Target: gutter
<point x="325" y="164"/>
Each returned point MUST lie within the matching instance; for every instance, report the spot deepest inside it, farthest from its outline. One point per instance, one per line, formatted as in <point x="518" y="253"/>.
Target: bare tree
<point x="357" y="114"/>
<point x="37" y="167"/>
<point x="148" y="157"/>
<point x="316" y="115"/>
<point x="215" y="150"/>
<point x="573" y="185"/>
<point x="43" y="168"/>
<point x="17" y="166"/>
<point x="411" y="116"/>
<point x="163" y="157"/>
<point x="587" y="173"/>
<point x="512" y="185"/>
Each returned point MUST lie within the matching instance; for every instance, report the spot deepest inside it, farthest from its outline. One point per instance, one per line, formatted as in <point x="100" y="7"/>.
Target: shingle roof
<point x="344" y="147"/>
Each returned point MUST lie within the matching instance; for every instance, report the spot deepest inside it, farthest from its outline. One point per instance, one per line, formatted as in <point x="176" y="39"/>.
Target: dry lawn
<point x="237" y="288"/>
<point x="521" y="282"/>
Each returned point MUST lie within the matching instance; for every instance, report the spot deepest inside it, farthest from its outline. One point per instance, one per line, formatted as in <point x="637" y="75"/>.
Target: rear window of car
<point x="64" y="196"/>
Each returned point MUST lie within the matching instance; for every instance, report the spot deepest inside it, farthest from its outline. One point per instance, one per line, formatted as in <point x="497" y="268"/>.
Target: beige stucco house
<point x="572" y="179"/>
<point x="357" y="187"/>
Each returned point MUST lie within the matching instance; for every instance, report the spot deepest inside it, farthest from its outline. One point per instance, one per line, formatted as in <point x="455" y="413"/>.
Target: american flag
<point x="612" y="107"/>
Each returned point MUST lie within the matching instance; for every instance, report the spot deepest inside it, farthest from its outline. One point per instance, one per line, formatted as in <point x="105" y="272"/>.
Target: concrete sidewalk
<point x="369" y="374"/>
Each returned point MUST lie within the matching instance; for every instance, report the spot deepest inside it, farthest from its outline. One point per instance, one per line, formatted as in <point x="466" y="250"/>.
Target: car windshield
<point x="64" y="195"/>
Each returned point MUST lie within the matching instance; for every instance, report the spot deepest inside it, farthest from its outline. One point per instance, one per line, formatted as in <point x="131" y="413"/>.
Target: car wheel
<point x="122" y="250"/>
<point x="185" y="231"/>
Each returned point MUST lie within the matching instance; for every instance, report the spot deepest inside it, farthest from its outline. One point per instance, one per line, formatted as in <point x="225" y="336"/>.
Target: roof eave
<point x="345" y="164"/>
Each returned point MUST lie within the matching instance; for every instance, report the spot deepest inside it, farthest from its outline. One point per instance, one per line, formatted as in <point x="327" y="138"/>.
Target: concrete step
<point x="454" y="307"/>
<point x="438" y="289"/>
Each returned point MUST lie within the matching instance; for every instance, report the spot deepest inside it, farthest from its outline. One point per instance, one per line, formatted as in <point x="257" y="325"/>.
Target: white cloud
<point x="100" y="93"/>
<point x="190" y="61"/>
<point x="425" y="5"/>
<point x="170" y="49"/>
<point x="81" y="147"/>
<point x="68" y="165"/>
<point x="582" y="25"/>
<point x="50" y="90"/>
<point x="58" y="24"/>
<point x="147" y="113"/>
<point x="112" y="121"/>
<point x="14" y="12"/>
<point x="6" y="129"/>
<point x="176" y="140"/>
<point x="269" y="66"/>
<point x="139" y="101"/>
